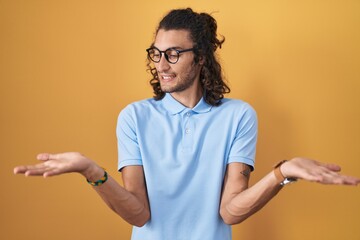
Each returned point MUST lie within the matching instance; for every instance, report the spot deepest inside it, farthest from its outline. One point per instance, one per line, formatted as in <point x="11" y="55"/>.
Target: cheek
<point x="187" y="69"/>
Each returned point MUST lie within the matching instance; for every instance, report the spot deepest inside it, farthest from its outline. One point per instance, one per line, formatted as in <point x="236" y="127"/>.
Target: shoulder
<point x="141" y="109"/>
<point x="140" y="106"/>
<point x="236" y="106"/>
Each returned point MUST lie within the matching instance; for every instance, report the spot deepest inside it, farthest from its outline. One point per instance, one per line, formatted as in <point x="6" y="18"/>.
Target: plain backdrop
<point x="68" y="67"/>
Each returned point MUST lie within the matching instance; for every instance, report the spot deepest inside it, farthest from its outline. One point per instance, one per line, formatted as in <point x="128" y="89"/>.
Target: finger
<point x="311" y="176"/>
<point x="335" y="178"/>
<point x="348" y="180"/>
<point x="321" y="175"/>
<point x="19" y="169"/>
<point x="29" y="169"/>
<point x="330" y="166"/>
<point x="23" y="169"/>
<point x="39" y="172"/>
<point x="52" y="172"/>
<point x="36" y="171"/>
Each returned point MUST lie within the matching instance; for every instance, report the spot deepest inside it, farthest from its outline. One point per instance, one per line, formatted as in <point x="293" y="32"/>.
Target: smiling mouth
<point x="167" y="78"/>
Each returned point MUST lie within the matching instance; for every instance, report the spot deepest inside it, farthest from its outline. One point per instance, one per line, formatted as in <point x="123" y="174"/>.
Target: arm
<point x="239" y="202"/>
<point x="130" y="202"/>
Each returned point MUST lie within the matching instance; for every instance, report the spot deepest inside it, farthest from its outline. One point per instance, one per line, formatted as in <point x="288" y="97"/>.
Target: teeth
<point x="167" y="77"/>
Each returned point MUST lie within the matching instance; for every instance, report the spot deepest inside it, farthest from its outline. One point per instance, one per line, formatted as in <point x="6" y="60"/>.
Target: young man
<point x="186" y="155"/>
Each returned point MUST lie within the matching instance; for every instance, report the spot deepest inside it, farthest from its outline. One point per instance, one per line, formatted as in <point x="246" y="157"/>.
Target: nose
<point x="163" y="65"/>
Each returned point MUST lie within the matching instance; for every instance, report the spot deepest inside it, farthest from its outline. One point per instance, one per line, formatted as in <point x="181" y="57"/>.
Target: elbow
<point x="138" y="218"/>
<point x="141" y="221"/>
<point x="231" y="219"/>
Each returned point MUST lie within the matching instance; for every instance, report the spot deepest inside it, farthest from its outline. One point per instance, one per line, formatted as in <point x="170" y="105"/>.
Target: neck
<point x="188" y="99"/>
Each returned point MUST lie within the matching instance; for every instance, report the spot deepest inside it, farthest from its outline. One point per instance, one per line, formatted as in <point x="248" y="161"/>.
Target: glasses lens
<point x="154" y="54"/>
<point x="172" y="55"/>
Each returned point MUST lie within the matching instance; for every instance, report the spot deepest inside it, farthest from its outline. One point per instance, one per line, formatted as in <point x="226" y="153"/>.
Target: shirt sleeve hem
<point x="245" y="160"/>
<point x="129" y="162"/>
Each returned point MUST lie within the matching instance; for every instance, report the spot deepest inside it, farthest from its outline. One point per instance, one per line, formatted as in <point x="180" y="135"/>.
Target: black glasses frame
<point x="166" y="55"/>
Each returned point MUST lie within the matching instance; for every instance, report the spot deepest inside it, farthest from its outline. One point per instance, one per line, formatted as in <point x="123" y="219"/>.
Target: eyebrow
<point x="175" y="47"/>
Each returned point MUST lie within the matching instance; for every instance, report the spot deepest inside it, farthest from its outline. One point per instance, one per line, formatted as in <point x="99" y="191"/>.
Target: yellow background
<point x="68" y="67"/>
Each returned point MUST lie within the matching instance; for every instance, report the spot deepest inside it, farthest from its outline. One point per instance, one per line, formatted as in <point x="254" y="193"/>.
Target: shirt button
<point x="187" y="131"/>
<point x="188" y="114"/>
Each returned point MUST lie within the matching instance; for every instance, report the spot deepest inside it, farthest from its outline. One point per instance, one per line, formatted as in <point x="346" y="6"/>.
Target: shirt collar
<point x="174" y="107"/>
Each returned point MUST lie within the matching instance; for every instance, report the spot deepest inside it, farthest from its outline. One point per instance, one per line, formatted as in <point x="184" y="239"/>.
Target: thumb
<point x="332" y="167"/>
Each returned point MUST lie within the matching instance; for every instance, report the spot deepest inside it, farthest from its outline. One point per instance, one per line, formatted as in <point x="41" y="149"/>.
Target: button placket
<point x="188" y="131"/>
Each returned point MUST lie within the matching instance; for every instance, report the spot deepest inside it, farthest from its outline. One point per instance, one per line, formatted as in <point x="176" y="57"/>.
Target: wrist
<point x="280" y="172"/>
<point x="277" y="171"/>
<point x="283" y="169"/>
<point x="99" y="182"/>
<point x="93" y="173"/>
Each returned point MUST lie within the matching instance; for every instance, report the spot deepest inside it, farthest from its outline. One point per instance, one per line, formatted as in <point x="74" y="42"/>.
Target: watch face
<point x="287" y="181"/>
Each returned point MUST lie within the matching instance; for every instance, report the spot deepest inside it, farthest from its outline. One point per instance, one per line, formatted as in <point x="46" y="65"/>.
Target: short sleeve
<point x="127" y="142"/>
<point x="243" y="147"/>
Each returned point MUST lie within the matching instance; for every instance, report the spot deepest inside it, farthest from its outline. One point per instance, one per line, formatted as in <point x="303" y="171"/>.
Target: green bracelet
<point x="101" y="181"/>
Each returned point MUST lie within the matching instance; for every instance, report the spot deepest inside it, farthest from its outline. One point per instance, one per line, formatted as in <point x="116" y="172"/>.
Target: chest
<point x="185" y="134"/>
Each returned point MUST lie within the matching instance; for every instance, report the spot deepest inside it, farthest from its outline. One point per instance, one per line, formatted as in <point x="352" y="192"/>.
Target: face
<point x="182" y="76"/>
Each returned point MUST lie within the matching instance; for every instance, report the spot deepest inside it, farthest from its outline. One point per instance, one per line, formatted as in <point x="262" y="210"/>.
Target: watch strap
<point x="278" y="174"/>
<point x="280" y="177"/>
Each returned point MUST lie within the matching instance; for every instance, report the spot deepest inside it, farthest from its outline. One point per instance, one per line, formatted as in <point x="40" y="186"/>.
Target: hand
<point x="315" y="171"/>
<point x="56" y="164"/>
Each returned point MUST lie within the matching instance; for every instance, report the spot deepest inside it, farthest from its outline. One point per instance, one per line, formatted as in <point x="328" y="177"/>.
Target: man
<point x="186" y="155"/>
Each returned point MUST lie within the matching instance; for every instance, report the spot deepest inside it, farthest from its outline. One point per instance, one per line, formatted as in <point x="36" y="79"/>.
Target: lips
<point x="167" y="77"/>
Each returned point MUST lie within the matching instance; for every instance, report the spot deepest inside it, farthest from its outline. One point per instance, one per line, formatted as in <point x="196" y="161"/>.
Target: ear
<point x="201" y="60"/>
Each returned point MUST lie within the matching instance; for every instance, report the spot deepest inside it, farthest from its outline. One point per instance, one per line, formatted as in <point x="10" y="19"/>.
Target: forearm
<point x="249" y="201"/>
<point x="124" y="203"/>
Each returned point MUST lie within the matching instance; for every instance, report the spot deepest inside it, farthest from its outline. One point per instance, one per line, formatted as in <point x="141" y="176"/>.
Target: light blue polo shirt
<point x="184" y="153"/>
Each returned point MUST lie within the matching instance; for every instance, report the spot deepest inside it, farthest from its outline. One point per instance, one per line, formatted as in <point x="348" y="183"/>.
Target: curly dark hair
<point x="202" y="28"/>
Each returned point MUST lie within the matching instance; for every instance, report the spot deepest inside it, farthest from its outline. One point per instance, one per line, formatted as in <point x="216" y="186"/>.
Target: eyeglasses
<point x="171" y="54"/>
